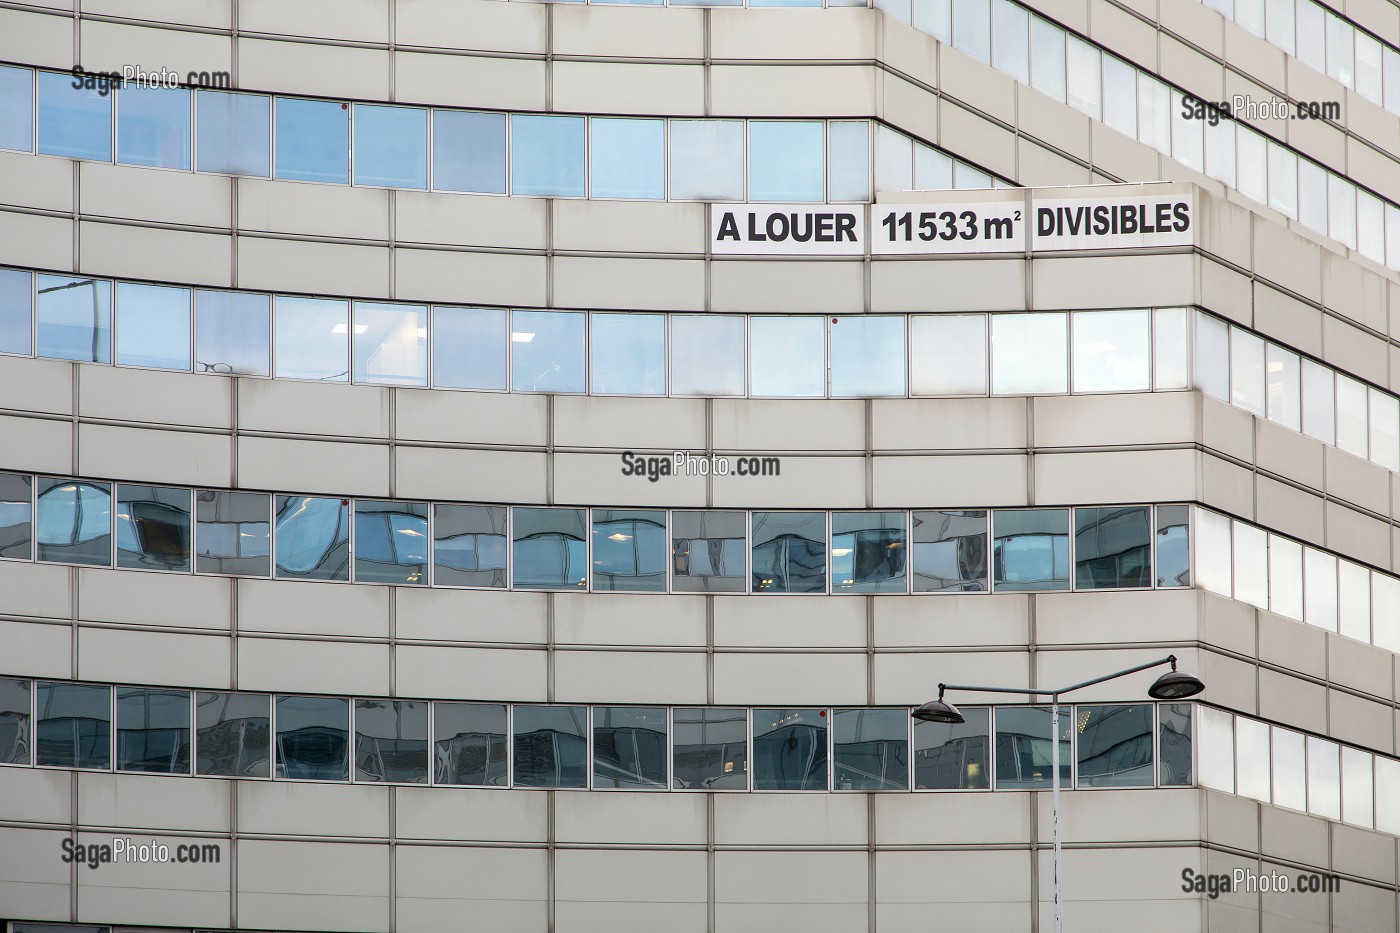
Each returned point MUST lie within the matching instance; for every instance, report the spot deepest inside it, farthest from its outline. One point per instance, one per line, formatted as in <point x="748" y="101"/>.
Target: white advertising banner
<point x="931" y="229"/>
<point x="788" y="229"/>
<point x="1113" y="223"/>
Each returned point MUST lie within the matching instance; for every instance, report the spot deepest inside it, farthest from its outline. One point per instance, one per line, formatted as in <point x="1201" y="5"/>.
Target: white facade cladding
<point x="498" y="465"/>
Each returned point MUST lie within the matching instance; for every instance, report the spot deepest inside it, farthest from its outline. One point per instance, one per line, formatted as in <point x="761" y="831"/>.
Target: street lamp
<point x="1173" y="685"/>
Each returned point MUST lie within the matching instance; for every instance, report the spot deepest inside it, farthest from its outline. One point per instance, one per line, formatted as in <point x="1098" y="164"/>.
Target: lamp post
<point x="1173" y="685"/>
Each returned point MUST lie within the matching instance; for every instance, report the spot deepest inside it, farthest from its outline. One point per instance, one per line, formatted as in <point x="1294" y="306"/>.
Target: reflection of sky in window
<point x="234" y="133"/>
<point x="153" y="326"/>
<point x="313" y="140"/>
<point x="16" y="108"/>
<point x="629" y="354"/>
<point x="547" y="351"/>
<point x="76" y="123"/>
<point x="312" y="339"/>
<point x="867" y="356"/>
<point x="787" y="356"/>
<point x="153" y="127"/>
<point x="75" y="318"/>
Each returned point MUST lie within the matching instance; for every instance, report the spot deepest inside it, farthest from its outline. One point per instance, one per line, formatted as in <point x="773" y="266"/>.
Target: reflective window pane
<point x="789" y="552"/>
<point x="1024" y="753"/>
<point x="1011" y="40"/>
<point x="16" y="309"/>
<point x="1188" y="136"/>
<point x="1083" y="77"/>
<point x="1384" y="423"/>
<point x="74" y="521"/>
<point x="707" y="552"/>
<point x="1286" y="577"/>
<point x="546" y="155"/>
<point x="469" y="151"/>
<point x="1112" y="547"/>
<point x="972" y="29"/>
<point x="787" y="357"/>
<point x="391" y="741"/>
<point x="932" y="169"/>
<point x="312" y="339"/>
<point x="15" y="728"/>
<point x="710" y="749"/>
<point x="232" y="734"/>
<point x="1385" y="611"/>
<point x="469" y="744"/>
<point x="1283" y="387"/>
<point x="1030" y="549"/>
<point x="391" y="146"/>
<point x="1251" y="558"/>
<point x="1387" y="795"/>
<point x="1358" y="787"/>
<point x="75" y="122"/>
<point x="1312" y="195"/>
<point x="551" y="549"/>
<point x="73" y="726"/>
<point x="232" y="532"/>
<point x="629" y="747"/>
<point x="551" y="746"/>
<point x="469" y="545"/>
<point x="849" y="171"/>
<point x="868" y="551"/>
<point x="953" y="757"/>
<point x="870" y="749"/>
<point x="1114" y="745"/>
<point x="547" y="351"/>
<point x="867" y="356"/>
<point x="1320" y="589"/>
<point x="1120" y="105"/>
<point x="707" y="354"/>
<point x="153" y="730"/>
<point x="313" y="538"/>
<point x="1252" y="758"/>
<point x="16" y="108"/>
<point x="16" y="516"/>
<point x="1174" y="743"/>
<point x="153" y="326"/>
<point x="948" y="354"/>
<point x="1353" y="600"/>
<point x="628" y="354"/>
<point x="1047" y="58"/>
<point x="75" y="318"/>
<point x="789" y="749"/>
<point x="1324" y="779"/>
<point x="232" y="333"/>
<point x="786" y="160"/>
<point x="153" y="528"/>
<point x="391" y="542"/>
<point x="391" y="344"/>
<point x="1029" y="354"/>
<point x="1212" y="369"/>
<point x="313" y="738"/>
<point x="1283" y="180"/>
<point x="1351" y="416"/>
<point x="1213" y="558"/>
<point x="153" y="127"/>
<point x="894" y="159"/>
<point x="627" y="158"/>
<point x="235" y="133"/>
<point x="950" y="552"/>
<point x="707" y="160"/>
<point x="1173" y="546"/>
<point x="629" y="550"/>
<point x="1247" y="371"/>
<point x="1319" y="402"/>
<point x="313" y="140"/>
<point x="1154" y="113"/>
<point x="469" y="348"/>
<point x="1112" y="351"/>
<point x="1290" y="779"/>
<point x="1217" y="749"/>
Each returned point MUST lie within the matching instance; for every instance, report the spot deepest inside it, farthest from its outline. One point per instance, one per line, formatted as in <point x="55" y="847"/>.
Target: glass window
<point x="867" y="552"/>
<point x="627" y="158"/>
<point x="849" y="145"/>
<point x="469" y="545"/>
<point x="235" y="133"/>
<point x="1173" y="546"/>
<point x="629" y="747"/>
<point x="1246" y="371"/>
<point x="789" y="749"/>
<point x="313" y="738"/>
<point x="629" y="550"/>
<point x="1120" y="106"/>
<point x="1312" y="195"/>
<point x="1353" y="600"/>
<point x="391" y="741"/>
<point x="1387" y="795"/>
<point x="1188" y="136"/>
<point x="391" y="344"/>
<point x="1024" y="753"/>
<point x="789" y="552"/>
<point x="1171" y="366"/>
<point x="1324" y="779"/>
<point x="153" y="326"/>
<point x="965" y="177"/>
<point x="1112" y="547"/>
<point x="546" y="155"/>
<point x="1212" y="356"/>
<point x="391" y="146"/>
<point x="153" y="730"/>
<point x="1290" y="779"/>
<point x="933" y="171"/>
<point x="948" y="354"/>
<point x="232" y="333"/>
<point x="867" y="356"/>
<point x="1370" y="226"/>
<point x="1351" y="415"/>
<point x="1283" y="179"/>
<point x="313" y="140"/>
<point x="75" y="121"/>
<point x="74" y="521"/>
<point x="312" y="339"/>
<point x="1357" y="787"/>
<point x="1252" y="758"/>
<point x="1029" y="354"/>
<point x="1253" y="162"/>
<point x="1030" y="549"/>
<point x="953" y="757"/>
<point x="707" y="160"/>
<point x="1341" y="44"/>
<point x="231" y="734"/>
<point x="1283" y="387"/>
<point x="16" y="313"/>
<point x="16" y="516"/>
<point x="551" y="746"/>
<point x="1384" y="424"/>
<point x="710" y="749"/>
<point x="1174" y="743"/>
<point x="1217" y="749"/>
<point x="1010" y="40"/>
<point x="231" y="532"/>
<point x="1251" y="558"/>
<point x="313" y="538"/>
<point x="894" y="160"/>
<point x="1320" y="589"/>
<point x="1082" y="85"/>
<point x="707" y="552"/>
<point x="469" y="348"/>
<point x="547" y="351"/>
<point x="1047" y="58"/>
<point x="950" y="552"/>
<point x="707" y="354"/>
<point x="73" y="726"/>
<point x="871" y="749"/>
<point x="1385" y="612"/>
<point x="629" y="354"/>
<point x="1390" y="79"/>
<point x="972" y="29"/>
<point x="391" y="542"/>
<point x="1213" y="552"/>
<point x="1114" y="747"/>
<point x="1154" y="112"/>
<point x="1319" y="402"/>
<point x="153" y="528"/>
<point x="935" y="18"/>
<point x="469" y="742"/>
<point x="16" y="108"/>
<point x="786" y="160"/>
<point x="1341" y="209"/>
<point x="551" y="549"/>
<point x="15" y="740"/>
<point x="1250" y="15"/>
<point x="153" y="127"/>
<point x="1112" y="351"/>
<point x="469" y="151"/>
<point x="786" y="356"/>
<point x="1286" y="577"/>
<point x="1220" y="152"/>
<point x="75" y="318"/>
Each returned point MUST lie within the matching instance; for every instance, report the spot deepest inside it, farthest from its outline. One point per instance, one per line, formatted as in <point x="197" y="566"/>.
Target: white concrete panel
<point x="455" y="219"/>
<point x="29" y="885"/>
<point x="305" y="607"/>
<point x="34" y="590"/>
<point x="472" y="615"/>
<point x="36" y="795"/>
<point x="34" y="649"/>
<point x="976" y="890"/>
<point x="628" y="226"/>
<point x="186" y="893"/>
<point x="472" y="81"/>
<point x="1105" y="618"/>
<point x="312" y="808"/>
<point x="628" y="32"/>
<point x="473" y="24"/>
<point x="470" y="814"/>
<point x="790" y="621"/>
<point x="325" y="886"/>
<point x="783" y="424"/>
<point x="1119" y="476"/>
<point x="666" y="88"/>
<point x="598" y="479"/>
<point x="911" y="678"/>
<point x="304" y="267"/>
<point x="471" y="417"/>
<point x="142" y="253"/>
<point x="473" y="673"/>
<point x="315" y="408"/>
<point x="313" y="210"/>
<point x="631" y="818"/>
<point x="596" y="889"/>
<point x="972" y="480"/>
<point x="804" y="483"/>
<point x="629" y="676"/>
<point x="949" y="424"/>
<point x="141" y="801"/>
<point x="792" y="819"/>
<point x="790" y="679"/>
<point x="357" y="20"/>
<point x="313" y="666"/>
<point x="659" y="424"/>
<point x="325" y="467"/>
<point x="45" y="183"/>
<point x="948" y="285"/>
<point x="820" y="891"/>
<point x="794" y="286"/>
<point x="151" y="598"/>
<point x="153" y="397"/>
<point x="501" y="889"/>
<point x="144" y="455"/>
<point x="322" y="70"/>
<point x="630" y="619"/>
<point x="1108" y="815"/>
<point x="452" y="474"/>
<point x="951" y="620"/>
<point x="1115" y="420"/>
<point x="132" y="193"/>
<point x="30" y="385"/>
<point x="38" y="241"/>
<point x="37" y="444"/>
<point x="153" y="657"/>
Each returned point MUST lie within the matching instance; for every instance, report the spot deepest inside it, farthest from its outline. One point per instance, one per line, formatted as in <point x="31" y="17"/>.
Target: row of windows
<point x="393" y="146"/>
<point x="1240" y="755"/>
<point x="308" y="738"/>
<point x="72" y="521"/>
<point x="1042" y="55"/>
<point x="1272" y="572"/>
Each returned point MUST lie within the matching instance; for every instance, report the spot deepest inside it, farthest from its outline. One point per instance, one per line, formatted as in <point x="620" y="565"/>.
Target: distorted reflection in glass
<point x="313" y="339"/>
<point x="1112" y="351"/>
<point x="153" y="326"/>
<point x="870" y="748"/>
<point x="627" y="158"/>
<point x="312" y="140"/>
<point x="232" y="734"/>
<point x="707" y="354"/>
<point x="1030" y="549"/>
<point x="469" y="744"/>
<point x="789" y="749"/>
<point x="629" y="550"/>
<point x="1023" y="749"/>
<point x="950" y="551"/>
<point x="787" y="356"/>
<point x="789" y="552"/>
<point x="75" y="122"/>
<point x="1029" y="354"/>
<point x="948" y="354"/>
<point x="391" y="741"/>
<point x="313" y="738"/>
<point x="1114" y="748"/>
<point x="469" y="545"/>
<point x="72" y="726"/>
<point x="153" y="730"/>
<point x="950" y="756"/>
<point x="551" y="549"/>
<point x="234" y="133"/>
<point x="313" y="538"/>
<point x="867" y="356"/>
<point x="629" y="747"/>
<point x="868" y="551"/>
<point x="547" y="351"/>
<point x="707" y="552"/>
<point x="16" y="516"/>
<point x="153" y="127"/>
<point x="391" y="344"/>
<point x="710" y="749"/>
<point x="74" y="521"/>
<point x="16" y="312"/>
<point x="391" y="146"/>
<point x="547" y="155"/>
<point x="469" y="348"/>
<point x="628" y="354"/>
<point x="787" y="160"/>
<point x="75" y="319"/>
<point x="232" y="532"/>
<point x="232" y="333"/>
<point x="469" y="151"/>
<point x="1174" y="744"/>
<point x="1289" y="770"/>
<point x="1173" y="546"/>
<point x="15" y="697"/>
<point x="551" y="746"/>
<point x="707" y="160"/>
<point x="1324" y="777"/>
<point x="153" y="528"/>
<point x="849" y="145"/>
<point x="391" y="542"/>
<point x="1112" y="547"/>
<point x="16" y="108"/>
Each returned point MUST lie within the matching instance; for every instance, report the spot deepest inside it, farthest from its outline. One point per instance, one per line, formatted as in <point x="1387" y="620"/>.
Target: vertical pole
<point x="1055" y="800"/>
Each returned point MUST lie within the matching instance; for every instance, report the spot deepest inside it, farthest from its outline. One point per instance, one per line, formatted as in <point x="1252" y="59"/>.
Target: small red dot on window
<point x="344" y="106"/>
<point x="344" y="501"/>
<point x="822" y="714"/>
<point x="836" y="320"/>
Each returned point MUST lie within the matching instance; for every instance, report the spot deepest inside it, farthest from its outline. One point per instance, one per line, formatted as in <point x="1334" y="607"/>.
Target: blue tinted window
<point x="313" y="738"/>
<point x="153" y="127"/>
<point x="867" y="355"/>
<point x="789" y="749"/>
<point x="546" y="155"/>
<point x="153" y="527"/>
<point x="74" y="122"/>
<point x="153" y="730"/>
<point x="391" y="542"/>
<point x="391" y="146"/>
<point x="75" y="319"/>
<point x="15" y="314"/>
<point x="550" y="549"/>
<point x="73" y="726"/>
<point x="628" y="159"/>
<point x="547" y="351"/>
<point x="850" y="161"/>
<point x="629" y="354"/>
<point x="313" y="140"/>
<point x="786" y="161"/>
<point x="629" y="550"/>
<point x="469" y="151"/>
<point x="469" y="348"/>
<point x="707" y="354"/>
<point x="1030" y="549"/>
<point x="312" y="539"/>
<point x="871" y="749"/>
<point x="16" y="108"/>
<point x="551" y="746"/>
<point x="788" y="552"/>
<point x="787" y="356"/>
<point x="74" y="521"/>
<point x="153" y="326"/>
<point x="16" y="742"/>
<point x="232" y="333"/>
<point x="312" y="339"/>
<point x="707" y="160"/>
<point x="235" y="133"/>
<point x="391" y="344"/>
